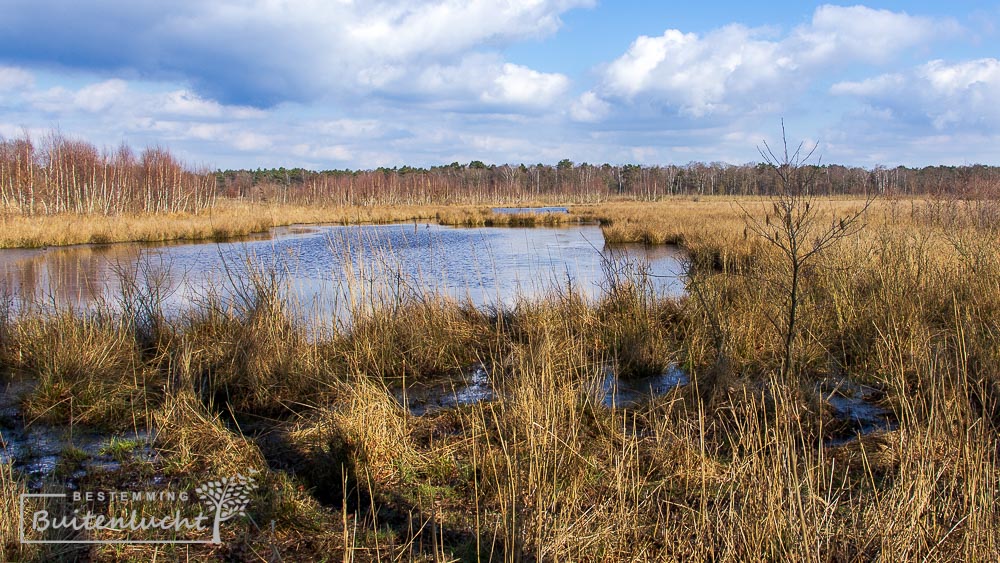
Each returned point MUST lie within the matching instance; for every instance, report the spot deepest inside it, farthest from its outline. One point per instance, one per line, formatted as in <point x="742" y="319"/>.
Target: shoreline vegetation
<point x="622" y="221"/>
<point x="58" y="191"/>
<point x="232" y="219"/>
<point x="747" y="461"/>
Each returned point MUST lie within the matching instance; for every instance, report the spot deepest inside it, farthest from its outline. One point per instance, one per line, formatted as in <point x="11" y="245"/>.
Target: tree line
<point x="62" y="175"/>
<point x="566" y="181"/>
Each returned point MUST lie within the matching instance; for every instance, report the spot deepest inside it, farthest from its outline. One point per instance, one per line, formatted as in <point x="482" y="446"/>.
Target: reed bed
<point x="739" y="464"/>
<point x="229" y="219"/>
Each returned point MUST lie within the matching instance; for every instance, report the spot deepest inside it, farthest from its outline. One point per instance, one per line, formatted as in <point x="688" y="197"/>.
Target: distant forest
<point x="62" y="175"/>
<point x="479" y="182"/>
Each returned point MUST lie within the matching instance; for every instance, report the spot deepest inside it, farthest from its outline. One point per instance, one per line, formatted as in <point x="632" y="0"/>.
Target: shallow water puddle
<point x="38" y="450"/>
<point x="627" y="393"/>
<point x="476" y="386"/>
<point x="421" y="399"/>
<point x="855" y="405"/>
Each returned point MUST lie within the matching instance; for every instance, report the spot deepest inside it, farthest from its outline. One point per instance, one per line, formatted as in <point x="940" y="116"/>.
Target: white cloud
<point x="92" y="98"/>
<point x="12" y="78"/>
<point x="699" y="75"/>
<point x="338" y="153"/>
<point x="871" y="86"/>
<point x="739" y="69"/>
<point x="968" y="79"/>
<point x="201" y="131"/>
<point x="942" y="94"/>
<point x="247" y="141"/>
<point x="99" y="97"/>
<point x="398" y="30"/>
<point x="489" y="80"/>
<point x="519" y="85"/>
<point x="589" y="108"/>
<point x="264" y="52"/>
<point x="233" y="135"/>
<point x="115" y="94"/>
<point x="185" y="103"/>
<point x="859" y="33"/>
<point x="350" y="128"/>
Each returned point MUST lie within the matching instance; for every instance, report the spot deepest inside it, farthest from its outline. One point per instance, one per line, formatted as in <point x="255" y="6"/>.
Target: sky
<point x="327" y="84"/>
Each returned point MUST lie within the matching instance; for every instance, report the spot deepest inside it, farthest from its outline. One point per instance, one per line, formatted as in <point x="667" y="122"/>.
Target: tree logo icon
<point x="229" y="497"/>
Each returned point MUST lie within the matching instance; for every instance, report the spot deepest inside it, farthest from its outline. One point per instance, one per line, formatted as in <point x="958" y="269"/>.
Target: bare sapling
<point x="799" y="230"/>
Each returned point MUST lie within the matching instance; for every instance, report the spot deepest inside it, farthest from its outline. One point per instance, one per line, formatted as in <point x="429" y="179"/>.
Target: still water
<point x="324" y="267"/>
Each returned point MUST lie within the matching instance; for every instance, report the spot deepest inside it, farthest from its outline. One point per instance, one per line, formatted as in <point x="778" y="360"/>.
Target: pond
<point x="326" y="266"/>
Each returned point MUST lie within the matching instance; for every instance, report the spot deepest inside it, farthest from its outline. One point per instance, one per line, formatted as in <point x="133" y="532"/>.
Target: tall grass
<point x="229" y="219"/>
<point x="737" y="465"/>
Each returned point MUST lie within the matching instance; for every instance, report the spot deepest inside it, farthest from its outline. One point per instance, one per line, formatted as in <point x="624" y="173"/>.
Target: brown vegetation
<point x="740" y="464"/>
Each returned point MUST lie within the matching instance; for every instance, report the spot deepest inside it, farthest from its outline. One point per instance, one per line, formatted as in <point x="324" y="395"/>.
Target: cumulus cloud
<point x="699" y="75"/>
<point x="487" y="79"/>
<point x="92" y="98"/>
<point x="589" y="108"/>
<point x="342" y="83"/>
<point x="859" y="33"/>
<point x="740" y="69"/>
<point x="185" y="103"/>
<point x="235" y="136"/>
<point x="941" y="94"/>
<point x="264" y="52"/>
<point x="13" y="83"/>
<point x="129" y="109"/>
<point x="350" y="128"/>
<point x="336" y="153"/>
<point x="116" y="97"/>
<point x="100" y="96"/>
<point x="519" y="85"/>
<point x="12" y="78"/>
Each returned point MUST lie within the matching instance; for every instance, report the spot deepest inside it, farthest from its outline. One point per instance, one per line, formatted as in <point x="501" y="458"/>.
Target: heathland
<point x="792" y="303"/>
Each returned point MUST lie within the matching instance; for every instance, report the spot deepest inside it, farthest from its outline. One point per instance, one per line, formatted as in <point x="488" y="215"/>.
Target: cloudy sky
<point x="361" y="84"/>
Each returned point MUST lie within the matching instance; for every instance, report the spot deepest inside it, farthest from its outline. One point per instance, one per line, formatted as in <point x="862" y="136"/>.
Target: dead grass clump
<point x="88" y="369"/>
<point x="249" y="354"/>
<point x="196" y="442"/>
<point x="416" y="339"/>
<point x="633" y="324"/>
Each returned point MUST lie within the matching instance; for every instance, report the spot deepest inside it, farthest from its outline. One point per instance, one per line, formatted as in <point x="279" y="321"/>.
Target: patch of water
<point x="628" y="393"/>
<point x="476" y="386"/>
<point x="325" y="266"/>
<point x="856" y="406"/>
<point x="421" y="399"/>
<point x="38" y="450"/>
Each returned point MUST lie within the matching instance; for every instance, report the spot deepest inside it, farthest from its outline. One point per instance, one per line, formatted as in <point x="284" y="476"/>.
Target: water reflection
<point x="327" y="266"/>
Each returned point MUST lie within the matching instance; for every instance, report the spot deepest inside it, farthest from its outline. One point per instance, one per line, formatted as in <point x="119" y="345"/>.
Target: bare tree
<point x="798" y="229"/>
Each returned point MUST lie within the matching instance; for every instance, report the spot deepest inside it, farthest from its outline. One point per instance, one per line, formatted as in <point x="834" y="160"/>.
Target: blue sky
<point x="342" y="83"/>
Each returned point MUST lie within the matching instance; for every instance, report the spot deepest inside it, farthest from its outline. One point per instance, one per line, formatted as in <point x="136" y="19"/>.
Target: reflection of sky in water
<point x="487" y="265"/>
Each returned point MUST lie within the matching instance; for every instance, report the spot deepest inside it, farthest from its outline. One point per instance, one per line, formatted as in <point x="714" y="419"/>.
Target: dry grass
<point x="229" y="219"/>
<point x="225" y="220"/>
<point x="732" y="467"/>
<point x="11" y="489"/>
